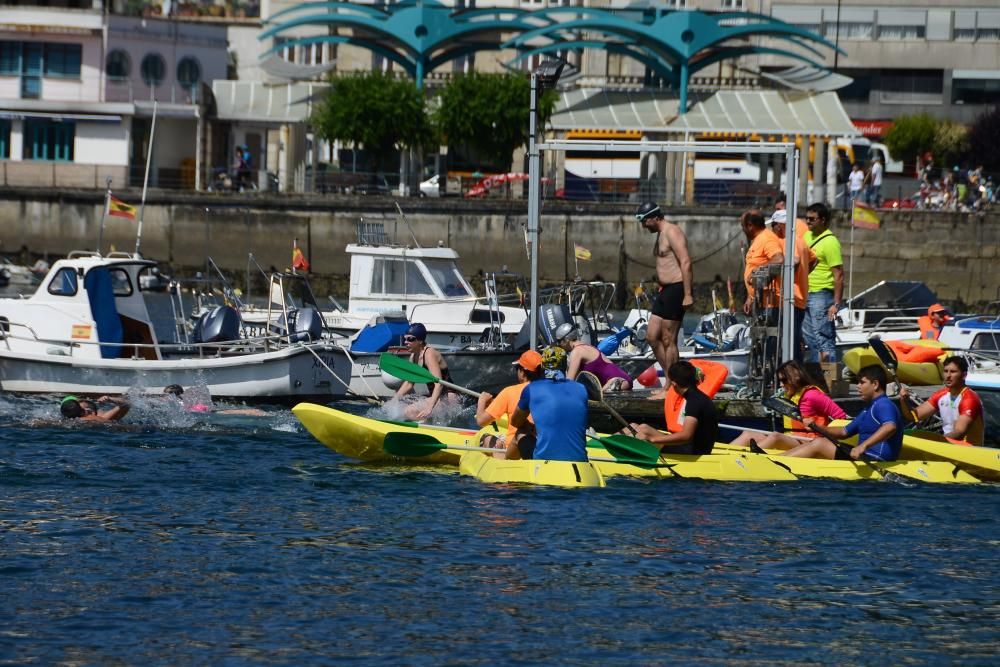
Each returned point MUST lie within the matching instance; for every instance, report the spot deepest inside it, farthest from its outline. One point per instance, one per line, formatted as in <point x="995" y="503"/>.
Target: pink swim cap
<point x="199" y="407"/>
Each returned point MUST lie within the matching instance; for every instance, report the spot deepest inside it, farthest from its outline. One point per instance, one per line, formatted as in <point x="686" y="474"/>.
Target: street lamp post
<point x="544" y="76"/>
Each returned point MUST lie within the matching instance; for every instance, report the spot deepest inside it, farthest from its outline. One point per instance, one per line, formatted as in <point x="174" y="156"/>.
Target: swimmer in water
<point x="72" y="407"/>
<point x="176" y="390"/>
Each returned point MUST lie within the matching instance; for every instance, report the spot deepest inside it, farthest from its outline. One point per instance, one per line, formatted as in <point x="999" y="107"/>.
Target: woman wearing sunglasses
<point x="812" y="402"/>
<point x="426" y="356"/>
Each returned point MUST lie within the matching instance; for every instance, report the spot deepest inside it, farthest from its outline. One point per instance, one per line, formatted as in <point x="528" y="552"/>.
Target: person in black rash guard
<point x="696" y="414"/>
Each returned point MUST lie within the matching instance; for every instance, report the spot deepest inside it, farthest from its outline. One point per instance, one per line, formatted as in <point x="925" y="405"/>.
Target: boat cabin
<point x="86" y="306"/>
<point x="976" y="334"/>
<point x="393" y="278"/>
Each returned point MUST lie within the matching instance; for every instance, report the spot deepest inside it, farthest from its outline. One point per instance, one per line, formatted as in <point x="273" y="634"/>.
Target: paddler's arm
<point x="884" y="432"/>
<point x="923" y="411"/>
<point x="404" y="389"/>
<point x="114" y="414"/>
<point x="519" y="418"/>
<point x="482" y="417"/>
<point x="961" y="427"/>
<point x="678" y="242"/>
<point x="656" y="437"/>
<point x="830" y="433"/>
<point x="433" y="359"/>
<point x="574" y="362"/>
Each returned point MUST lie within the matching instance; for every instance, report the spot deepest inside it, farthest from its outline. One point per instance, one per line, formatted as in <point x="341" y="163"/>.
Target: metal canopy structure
<point x="421" y="35"/>
<point x="768" y="112"/>
<point x="600" y="109"/>
<point x="256" y="101"/>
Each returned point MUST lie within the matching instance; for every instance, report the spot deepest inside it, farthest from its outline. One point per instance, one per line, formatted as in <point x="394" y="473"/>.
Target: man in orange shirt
<point x="777" y="224"/>
<point x="766" y="250"/>
<point x="491" y="408"/>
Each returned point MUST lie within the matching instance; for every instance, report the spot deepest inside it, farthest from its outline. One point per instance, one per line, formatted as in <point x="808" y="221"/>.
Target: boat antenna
<point x="416" y="244"/>
<point x="145" y="180"/>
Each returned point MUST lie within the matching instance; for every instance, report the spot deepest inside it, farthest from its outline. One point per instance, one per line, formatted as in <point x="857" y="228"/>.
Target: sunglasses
<point x="409" y="339"/>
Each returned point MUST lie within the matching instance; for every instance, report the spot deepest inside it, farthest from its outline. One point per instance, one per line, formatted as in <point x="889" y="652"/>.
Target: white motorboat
<point x="86" y="329"/>
<point x="888" y="309"/>
<point x="15" y="274"/>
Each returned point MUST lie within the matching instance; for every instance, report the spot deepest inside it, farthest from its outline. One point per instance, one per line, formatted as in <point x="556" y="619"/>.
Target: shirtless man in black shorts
<point x="673" y="273"/>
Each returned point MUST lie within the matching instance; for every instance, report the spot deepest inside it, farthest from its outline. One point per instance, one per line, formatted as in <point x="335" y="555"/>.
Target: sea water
<point x="239" y="540"/>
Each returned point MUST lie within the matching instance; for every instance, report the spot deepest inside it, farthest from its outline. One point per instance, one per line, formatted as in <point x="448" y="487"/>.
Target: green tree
<point x="376" y="110"/>
<point x="909" y="136"/>
<point x="489" y="113"/>
<point x="951" y="142"/>
<point x="984" y="140"/>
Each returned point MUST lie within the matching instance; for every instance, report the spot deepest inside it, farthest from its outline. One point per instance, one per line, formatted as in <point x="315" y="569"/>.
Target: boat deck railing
<point x="249" y="345"/>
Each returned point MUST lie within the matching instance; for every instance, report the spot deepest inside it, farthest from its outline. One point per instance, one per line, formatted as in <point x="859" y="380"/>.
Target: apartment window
<point x="10" y="58"/>
<point x="4" y="139"/>
<point x="188" y="73"/>
<point x="63" y="60"/>
<point x="153" y="69"/>
<point x="902" y="24"/>
<point x="912" y="87"/>
<point x="988" y="34"/>
<point x="119" y="65"/>
<point x="975" y="91"/>
<point x="849" y="30"/>
<point x="965" y="34"/>
<point x="732" y="4"/>
<point x="48" y="140"/>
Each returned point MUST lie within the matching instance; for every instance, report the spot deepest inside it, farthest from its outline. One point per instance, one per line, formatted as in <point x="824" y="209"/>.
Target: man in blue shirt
<point x="879" y="427"/>
<point x="559" y="409"/>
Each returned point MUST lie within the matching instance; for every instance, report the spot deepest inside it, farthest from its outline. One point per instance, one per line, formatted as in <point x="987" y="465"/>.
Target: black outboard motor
<point x="306" y="325"/>
<point x="550" y="316"/>
<point x="218" y="325"/>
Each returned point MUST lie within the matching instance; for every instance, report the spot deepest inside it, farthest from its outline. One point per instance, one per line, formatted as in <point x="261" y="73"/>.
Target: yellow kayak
<point x="914" y="373"/>
<point x="532" y="471"/>
<point x="938" y="472"/>
<point x="983" y="462"/>
<point x="363" y="438"/>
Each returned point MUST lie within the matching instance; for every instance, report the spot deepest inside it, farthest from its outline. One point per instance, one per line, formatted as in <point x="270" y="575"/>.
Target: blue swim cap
<point x="418" y="331"/>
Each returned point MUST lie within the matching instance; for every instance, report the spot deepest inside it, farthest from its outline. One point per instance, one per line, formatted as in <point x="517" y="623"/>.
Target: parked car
<point x="431" y="187"/>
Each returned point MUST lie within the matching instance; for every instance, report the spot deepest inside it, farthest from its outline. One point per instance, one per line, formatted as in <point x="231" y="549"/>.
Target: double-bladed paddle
<point x="623" y="448"/>
<point x="411" y="372"/>
<point x="786" y="408"/>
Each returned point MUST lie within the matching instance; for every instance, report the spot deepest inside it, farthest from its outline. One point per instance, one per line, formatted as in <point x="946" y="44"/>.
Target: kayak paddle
<point x="415" y="445"/>
<point x="786" y="408"/>
<point x="887" y="357"/>
<point x="411" y="372"/>
<point x="595" y="392"/>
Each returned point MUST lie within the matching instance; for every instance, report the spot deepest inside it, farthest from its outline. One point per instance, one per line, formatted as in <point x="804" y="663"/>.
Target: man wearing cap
<point x="777" y="223"/>
<point x="932" y="323"/>
<point x="675" y="277"/>
<point x="427" y="357"/>
<point x="490" y="408"/>
<point x="559" y="409"/>
<point x="72" y="407"/>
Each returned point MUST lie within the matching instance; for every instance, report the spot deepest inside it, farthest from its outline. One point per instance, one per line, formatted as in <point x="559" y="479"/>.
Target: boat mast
<point x="145" y="180"/>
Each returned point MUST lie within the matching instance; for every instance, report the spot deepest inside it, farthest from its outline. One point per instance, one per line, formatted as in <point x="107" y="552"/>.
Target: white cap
<point x="781" y="217"/>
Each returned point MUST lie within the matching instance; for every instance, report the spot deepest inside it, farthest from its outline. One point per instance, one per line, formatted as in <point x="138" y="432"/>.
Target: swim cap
<point x="646" y="210"/>
<point x="199" y="407"/>
<point x="70" y="397"/>
<point x="174" y="389"/>
<point x="566" y="331"/>
<point x="418" y="331"/>
<point x="553" y="357"/>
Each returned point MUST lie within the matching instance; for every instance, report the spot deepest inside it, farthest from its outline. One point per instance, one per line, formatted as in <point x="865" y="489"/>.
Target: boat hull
<point x="546" y="473"/>
<point x="293" y="372"/>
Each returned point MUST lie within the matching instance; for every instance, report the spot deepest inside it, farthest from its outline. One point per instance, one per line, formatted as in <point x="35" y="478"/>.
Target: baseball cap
<point x="529" y="360"/>
<point x="938" y="308"/>
<point x="780" y="217"/>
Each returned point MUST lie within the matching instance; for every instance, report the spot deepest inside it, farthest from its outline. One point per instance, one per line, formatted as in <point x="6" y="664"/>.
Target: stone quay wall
<point x="955" y="254"/>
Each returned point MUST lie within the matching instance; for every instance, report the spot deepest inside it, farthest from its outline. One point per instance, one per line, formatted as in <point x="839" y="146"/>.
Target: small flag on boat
<point x="120" y="209"/>
<point x="299" y="261"/>
<point x="865" y="217"/>
<point x="580" y="252"/>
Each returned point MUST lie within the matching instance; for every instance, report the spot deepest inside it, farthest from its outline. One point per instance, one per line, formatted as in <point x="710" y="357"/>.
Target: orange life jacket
<point x="927" y="329"/>
<point x="794" y="426"/>
<point x="713" y="376"/>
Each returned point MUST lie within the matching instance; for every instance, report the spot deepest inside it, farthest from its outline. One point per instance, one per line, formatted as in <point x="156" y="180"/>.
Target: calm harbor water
<point x="241" y="540"/>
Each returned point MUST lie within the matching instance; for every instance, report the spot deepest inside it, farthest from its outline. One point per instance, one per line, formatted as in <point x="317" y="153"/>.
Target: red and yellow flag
<point x="580" y="252"/>
<point x="864" y="216"/>
<point x="120" y="209"/>
<point x="299" y="261"/>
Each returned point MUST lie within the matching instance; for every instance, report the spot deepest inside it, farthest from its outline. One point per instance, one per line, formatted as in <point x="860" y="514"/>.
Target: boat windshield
<point x="448" y="279"/>
<point x="902" y="295"/>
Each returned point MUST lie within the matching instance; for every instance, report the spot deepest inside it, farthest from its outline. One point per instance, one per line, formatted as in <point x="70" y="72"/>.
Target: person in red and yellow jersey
<point x="960" y="408"/>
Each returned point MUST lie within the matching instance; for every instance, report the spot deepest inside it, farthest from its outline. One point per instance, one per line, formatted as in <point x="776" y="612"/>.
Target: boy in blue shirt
<point x="879" y="427"/>
<point x="559" y="409"/>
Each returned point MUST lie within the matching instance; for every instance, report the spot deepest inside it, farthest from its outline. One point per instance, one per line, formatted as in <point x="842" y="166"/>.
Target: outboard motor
<point x="306" y="324"/>
<point x="218" y="325"/>
<point x="550" y="316"/>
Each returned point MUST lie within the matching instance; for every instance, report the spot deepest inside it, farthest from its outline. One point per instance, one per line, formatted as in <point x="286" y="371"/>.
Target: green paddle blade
<point x="627" y="449"/>
<point x="405" y="369"/>
<point x="399" y="443"/>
